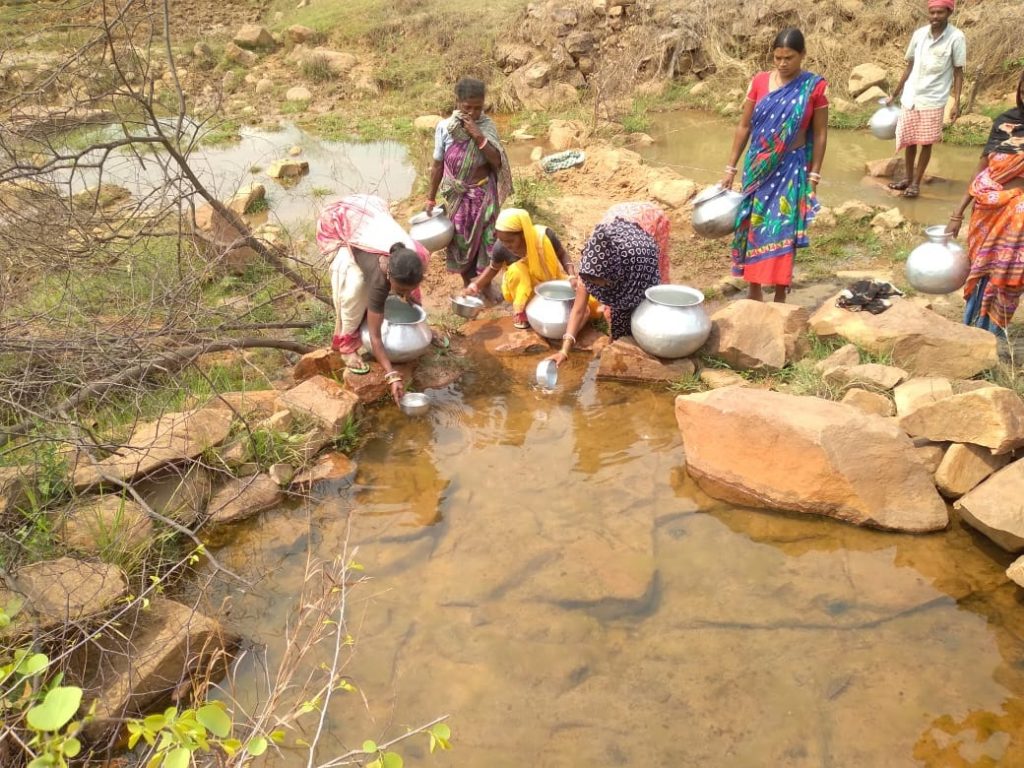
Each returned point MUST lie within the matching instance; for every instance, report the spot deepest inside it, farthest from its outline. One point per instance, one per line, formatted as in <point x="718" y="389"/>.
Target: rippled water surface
<point x="544" y="571"/>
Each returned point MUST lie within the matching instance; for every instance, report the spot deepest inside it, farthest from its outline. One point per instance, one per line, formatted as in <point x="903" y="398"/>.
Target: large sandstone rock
<point x="339" y="62"/>
<point x="803" y="454"/>
<point x="864" y="76"/>
<point x="171" y="438"/>
<point x="921" y="391"/>
<point x="170" y="644"/>
<point x="253" y="404"/>
<point x="68" y="590"/>
<point x="371" y="387"/>
<point x="427" y="123"/>
<point x="871" y="95"/>
<point x="928" y="453"/>
<point x="321" y="362"/>
<point x="996" y="507"/>
<point x="920" y="341"/>
<point x="298" y="34"/>
<point x="322" y="399"/>
<point x="869" y="402"/>
<point x="219" y="229"/>
<point x="297" y="93"/>
<point x="107" y="524"/>
<point x="673" y="193"/>
<point x="888" y="220"/>
<point x="872" y="375"/>
<point x="329" y="467"/>
<point x="239" y="55"/>
<point x="499" y="337"/>
<point x="758" y="336"/>
<point x="181" y="494"/>
<point x="992" y="417"/>
<point x="846" y="356"/>
<point x="566" y="134"/>
<point x="855" y="210"/>
<point x="253" y="36"/>
<point x="625" y="361"/>
<point x="247" y="196"/>
<point x="242" y="498"/>
<point x="1015" y="572"/>
<point x="885" y="168"/>
<point x="288" y="169"/>
<point x="716" y="378"/>
<point x="964" y="466"/>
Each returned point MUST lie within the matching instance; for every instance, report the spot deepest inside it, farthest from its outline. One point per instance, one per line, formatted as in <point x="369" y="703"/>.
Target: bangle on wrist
<point x="730" y="169"/>
<point x="483" y="143"/>
<point x="568" y="337"/>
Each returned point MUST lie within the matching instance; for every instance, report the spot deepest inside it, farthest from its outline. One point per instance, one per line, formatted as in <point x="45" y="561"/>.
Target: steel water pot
<point x="405" y="332"/>
<point x="548" y="310"/>
<point x="939" y="265"/>
<point x="883" y="123"/>
<point x="715" y="210"/>
<point x="671" y="321"/>
<point x="432" y="230"/>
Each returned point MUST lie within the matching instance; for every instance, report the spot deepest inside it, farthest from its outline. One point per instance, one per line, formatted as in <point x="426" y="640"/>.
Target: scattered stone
<point x="911" y="395"/>
<point x="499" y="337"/>
<point x="181" y="494"/>
<point x="246" y="197"/>
<point x="281" y="474"/>
<point x="928" y="453"/>
<point x="809" y="455"/>
<point x="339" y="62"/>
<point x="371" y="387"/>
<point x="855" y="210"/>
<point x="758" y="336"/>
<point x="994" y="507"/>
<point x="580" y="43"/>
<point x="880" y="377"/>
<point x="173" y="437"/>
<point x="536" y="154"/>
<point x="716" y="378"/>
<point x="218" y="229"/>
<point x="992" y="417"/>
<point x="699" y="88"/>
<point x="969" y="385"/>
<point x="253" y="37"/>
<point x="846" y="356"/>
<point x="109" y="523"/>
<point x="964" y="466"/>
<point x="842" y="105"/>
<point x="323" y="399"/>
<point x="170" y="644"/>
<point x="299" y="34"/>
<point x="242" y="498"/>
<point x="871" y="95"/>
<point x="641" y="139"/>
<point x="298" y="93"/>
<point x="202" y="52"/>
<point x="322" y="362"/>
<point x="536" y="74"/>
<point x="332" y="466"/>
<point x="67" y="590"/>
<point x="623" y="360"/>
<point x="511" y="56"/>
<point x="256" y="404"/>
<point x="427" y="123"/>
<point x="886" y="168"/>
<point x="288" y="169"/>
<point x="229" y="83"/>
<point x="1015" y="572"/>
<point x="566" y="134"/>
<point x="825" y="218"/>
<point x="240" y="56"/>
<point x="869" y="402"/>
<point x="864" y="76"/>
<point x="919" y="340"/>
<point x="264" y="86"/>
<point x="101" y="196"/>
<point x="886" y="221"/>
<point x="674" y="193"/>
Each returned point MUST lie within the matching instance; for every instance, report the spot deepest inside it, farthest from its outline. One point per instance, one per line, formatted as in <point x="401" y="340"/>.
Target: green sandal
<point x="356" y="365"/>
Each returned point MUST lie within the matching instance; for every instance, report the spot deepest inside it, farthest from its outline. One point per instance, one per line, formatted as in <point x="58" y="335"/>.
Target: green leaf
<point x="72" y="747"/>
<point x="213" y="717"/>
<point x="392" y="760"/>
<point x="442" y="731"/>
<point x="43" y="761"/>
<point x="57" y="709"/>
<point x="369" y="746"/>
<point x="32" y="665"/>
<point x="179" y="757"/>
<point x="277" y="736"/>
<point x="154" y="722"/>
<point x="375" y="764"/>
<point x="257" y="746"/>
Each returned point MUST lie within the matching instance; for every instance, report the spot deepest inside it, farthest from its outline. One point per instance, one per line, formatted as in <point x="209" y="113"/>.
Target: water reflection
<point x="545" y="572"/>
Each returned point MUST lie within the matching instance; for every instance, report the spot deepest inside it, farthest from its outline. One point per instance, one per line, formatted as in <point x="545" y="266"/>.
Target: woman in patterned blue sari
<point x="785" y="117"/>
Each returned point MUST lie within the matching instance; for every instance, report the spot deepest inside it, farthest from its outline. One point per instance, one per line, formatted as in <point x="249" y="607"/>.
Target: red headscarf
<point x="941" y="4"/>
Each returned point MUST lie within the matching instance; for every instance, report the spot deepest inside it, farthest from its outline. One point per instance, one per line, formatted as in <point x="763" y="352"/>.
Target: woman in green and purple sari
<point x="472" y="175"/>
<point x="785" y="117"/>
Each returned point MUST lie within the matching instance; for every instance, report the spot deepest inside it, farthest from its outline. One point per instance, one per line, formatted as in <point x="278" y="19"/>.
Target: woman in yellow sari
<point x="530" y="254"/>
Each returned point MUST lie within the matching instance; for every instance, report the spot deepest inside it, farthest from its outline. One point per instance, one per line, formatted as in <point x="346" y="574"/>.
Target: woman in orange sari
<point x="995" y="236"/>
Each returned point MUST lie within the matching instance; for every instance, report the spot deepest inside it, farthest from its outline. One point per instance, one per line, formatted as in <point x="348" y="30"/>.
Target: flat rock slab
<point x="171" y="644"/>
<point x="963" y="466"/>
<point x="623" y="360"/>
<point x="108" y="523"/>
<point x="716" y="378"/>
<point x="869" y="402"/>
<point x="321" y="362"/>
<point x="758" y="336"/>
<point x="872" y="375"/>
<point x="992" y="417"/>
<point x="242" y="498"/>
<point x="803" y="454"/>
<point x="182" y="493"/>
<point x="846" y="356"/>
<point x="370" y="387"/>
<point x="996" y="507"/>
<point x="171" y="438"/>
<point x="921" y="391"/>
<point x="330" y="467"/>
<point x="920" y="341"/>
<point x="322" y="399"/>
<point x="1015" y="572"/>
<point x="930" y="454"/>
<point x="258" y="404"/>
<point x="69" y="590"/>
<point x="499" y="337"/>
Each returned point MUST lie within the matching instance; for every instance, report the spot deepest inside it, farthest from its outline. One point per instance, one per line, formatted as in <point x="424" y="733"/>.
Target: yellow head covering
<point x="540" y="254"/>
<point x="513" y="220"/>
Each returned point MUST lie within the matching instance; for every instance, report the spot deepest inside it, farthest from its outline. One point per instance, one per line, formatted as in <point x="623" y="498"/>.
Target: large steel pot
<point x="671" y="321"/>
<point x="883" y="123"/>
<point x="432" y="230"/>
<point x="714" y="211"/>
<point x="938" y="265"/>
<point x="405" y="332"/>
<point x="548" y="310"/>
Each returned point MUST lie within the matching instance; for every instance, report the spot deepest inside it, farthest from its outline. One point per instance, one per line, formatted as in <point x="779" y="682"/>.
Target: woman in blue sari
<point x="785" y="118"/>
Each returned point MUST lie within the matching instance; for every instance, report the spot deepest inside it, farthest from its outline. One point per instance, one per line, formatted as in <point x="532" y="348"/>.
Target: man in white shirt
<point x="935" y="65"/>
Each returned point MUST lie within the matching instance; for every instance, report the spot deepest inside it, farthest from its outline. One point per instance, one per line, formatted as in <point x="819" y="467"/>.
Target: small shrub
<point x="317" y="68"/>
<point x="636" y="122"/>
<point x="535" y="195"/>
<point x="258" y="205"/>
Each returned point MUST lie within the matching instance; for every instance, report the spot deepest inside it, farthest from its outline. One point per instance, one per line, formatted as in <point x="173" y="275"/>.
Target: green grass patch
<point x="637" y="120"/>
<point x="317" y="68"/>
<point x="537" y="196"/>
<point x="220" y="132"/>
<point x="965" y="135"/>
<point x="849" y="121"/>
<point x="294" y="107"/>
<point x="258" y="205"/>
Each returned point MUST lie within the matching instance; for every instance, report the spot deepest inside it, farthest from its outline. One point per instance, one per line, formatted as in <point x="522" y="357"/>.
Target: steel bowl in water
<point x="405" y="332"/>
<point x="883" y="123"/>
<point x="547" y="374"/>
<point x="671" y="321"/>
<point x="939" y="265"/>
<point x="467" y="306"/>
<point x="414" y="404"/>
<point x="432" y="230"/>
<point x="548" y="310"/>
<point x="715" y="210"/>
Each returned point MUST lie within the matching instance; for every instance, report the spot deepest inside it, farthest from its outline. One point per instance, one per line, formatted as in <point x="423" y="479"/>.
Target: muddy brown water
<point x="544" y="571"/>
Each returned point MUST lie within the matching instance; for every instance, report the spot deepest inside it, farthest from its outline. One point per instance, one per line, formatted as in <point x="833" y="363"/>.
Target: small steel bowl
<point x="467" y="306"/>
<point x="547" y="374"/>
<point x="414" y="404"/>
